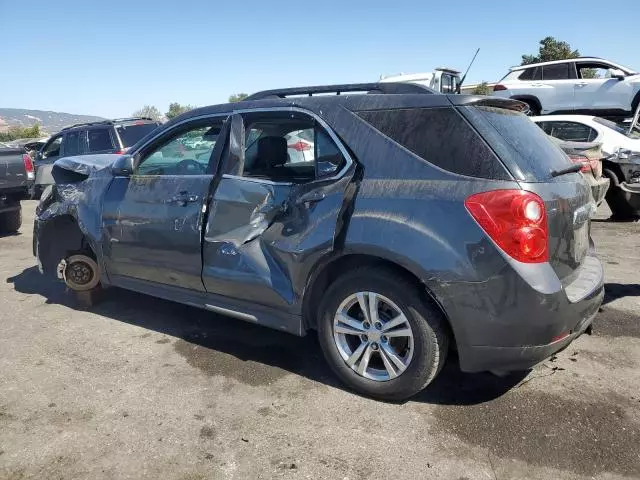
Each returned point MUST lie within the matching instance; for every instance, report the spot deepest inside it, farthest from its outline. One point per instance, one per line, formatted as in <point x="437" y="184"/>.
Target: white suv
<point x="579" y="85"/>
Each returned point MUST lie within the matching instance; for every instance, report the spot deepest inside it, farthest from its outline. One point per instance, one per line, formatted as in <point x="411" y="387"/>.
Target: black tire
<point x="37" y="192"/>
<point x="534" y="109"/>
<point x="10" y="222"/>
<point x="620" y="208"/>
<point x="431" y="339"/>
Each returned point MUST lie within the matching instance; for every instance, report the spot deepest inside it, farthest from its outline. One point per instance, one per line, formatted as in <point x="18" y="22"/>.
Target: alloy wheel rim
<point x="373" y="336"/>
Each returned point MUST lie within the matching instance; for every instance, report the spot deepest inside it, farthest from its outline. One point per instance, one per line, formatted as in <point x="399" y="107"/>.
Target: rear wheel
<point x="380" y="335"/>
<point x="534" y="109"/>
<point x="10" y="222"/>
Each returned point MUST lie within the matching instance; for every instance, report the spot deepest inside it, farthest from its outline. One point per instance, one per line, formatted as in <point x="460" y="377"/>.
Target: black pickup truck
<point x="16" y="179"/>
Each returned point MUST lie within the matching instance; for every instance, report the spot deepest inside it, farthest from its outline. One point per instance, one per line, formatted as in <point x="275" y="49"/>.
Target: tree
<point x="15" y="133"/>
<point x="482" y="89"/>
<point x="176" y="109"/>
<point x="148" y="111"/>
<point x="237" y="97"/>
<point x="551" y="49"/>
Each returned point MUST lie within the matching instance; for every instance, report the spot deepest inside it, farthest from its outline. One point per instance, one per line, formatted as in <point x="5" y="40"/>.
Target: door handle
<point x="183" y="198"/>
<point x="582" y="84"/>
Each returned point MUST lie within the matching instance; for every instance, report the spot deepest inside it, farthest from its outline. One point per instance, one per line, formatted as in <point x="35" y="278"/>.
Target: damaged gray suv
<point x="414" y="223"/>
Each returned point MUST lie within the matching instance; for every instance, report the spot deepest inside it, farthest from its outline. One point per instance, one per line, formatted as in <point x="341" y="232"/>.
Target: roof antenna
<point x="465" y="73"/>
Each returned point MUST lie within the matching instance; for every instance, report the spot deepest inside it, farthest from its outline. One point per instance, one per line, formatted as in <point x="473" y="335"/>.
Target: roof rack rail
<point x="384" y="88"/>
<point x="130" y="119"/>
<point x="83" y="124"/>
<point x="107" y="122"/>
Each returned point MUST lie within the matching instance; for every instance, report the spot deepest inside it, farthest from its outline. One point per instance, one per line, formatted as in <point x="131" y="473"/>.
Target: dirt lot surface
<point x="137" y="387"/>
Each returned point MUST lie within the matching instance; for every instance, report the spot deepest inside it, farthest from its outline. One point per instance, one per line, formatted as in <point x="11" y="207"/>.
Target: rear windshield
<point x="130" y="134"/>
<point x="524" y="148"/>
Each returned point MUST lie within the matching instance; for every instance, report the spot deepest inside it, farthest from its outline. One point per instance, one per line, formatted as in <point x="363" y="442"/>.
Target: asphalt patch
<point x="611" y="322"/>
<point x="584" y="437"/>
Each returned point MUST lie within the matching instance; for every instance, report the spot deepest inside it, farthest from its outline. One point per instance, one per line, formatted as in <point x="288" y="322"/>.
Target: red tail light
<point x="516" y="220"/>
<point x="300" y="146"/>
<point x="587" y="165"/>
<point x="122" y="151"/>
<point x="28" y="166"/>
<point x="498" y="88"/>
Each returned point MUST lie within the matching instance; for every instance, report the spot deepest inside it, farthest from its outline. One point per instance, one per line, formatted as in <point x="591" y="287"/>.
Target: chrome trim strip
<point x="255" y="180"/>
<point x="231" y="313"/>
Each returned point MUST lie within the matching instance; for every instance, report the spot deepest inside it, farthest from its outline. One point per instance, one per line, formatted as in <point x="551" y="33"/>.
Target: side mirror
<point x="124" y="166"/>
<point x="615" y="73"/>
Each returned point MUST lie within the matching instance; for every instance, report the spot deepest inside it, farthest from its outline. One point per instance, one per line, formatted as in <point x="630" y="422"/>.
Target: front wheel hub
<point x="80" y="272"/>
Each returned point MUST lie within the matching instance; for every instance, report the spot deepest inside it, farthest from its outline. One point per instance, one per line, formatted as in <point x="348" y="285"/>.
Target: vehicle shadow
<point x="248" y="343"/>
<point x="614" y="291"/>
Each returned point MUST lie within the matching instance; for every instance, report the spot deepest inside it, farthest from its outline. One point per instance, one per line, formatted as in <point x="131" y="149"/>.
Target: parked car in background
<point x="442" y="80"/>
<point x="586" y="85"/>
<point x="16" y="177"/>
<point x="582" y="128"/>
<point x="108" y="136"/>
<point x="590" y="156"/>
<point x="424" y="220"/>
<point x="623" y="196"/>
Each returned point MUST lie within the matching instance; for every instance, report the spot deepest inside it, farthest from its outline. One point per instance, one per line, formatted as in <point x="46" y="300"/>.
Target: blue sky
<point x="111" y="57"/>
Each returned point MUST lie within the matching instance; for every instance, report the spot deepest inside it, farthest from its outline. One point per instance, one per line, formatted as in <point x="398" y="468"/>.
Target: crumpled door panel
<point x="262" y="238"/>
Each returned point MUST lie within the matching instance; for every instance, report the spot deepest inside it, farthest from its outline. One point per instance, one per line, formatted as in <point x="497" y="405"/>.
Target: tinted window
<point x="131" y="134"/>
<point x="570" y="131"/>
<point x="525" y="149"/>
<point x="440" y="136"/>
<point x="72" y="143"/>
<point x="99" y="140"/>
<point x="559" y="71"/>
<point x="534" y="73"/>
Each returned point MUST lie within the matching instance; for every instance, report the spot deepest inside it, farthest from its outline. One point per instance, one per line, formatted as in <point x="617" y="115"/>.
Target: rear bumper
<point x="506" y="323"/>
<point x="486" y="358"/>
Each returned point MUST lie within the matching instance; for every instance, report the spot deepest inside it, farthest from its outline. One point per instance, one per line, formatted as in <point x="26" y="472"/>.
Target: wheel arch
<point x="59" y="237"/>
<point x="328" y="270"/>
<point x="529" y="99"/>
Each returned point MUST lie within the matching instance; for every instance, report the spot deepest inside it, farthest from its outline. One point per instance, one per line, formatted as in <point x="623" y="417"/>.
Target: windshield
<point x="130" y="134"/>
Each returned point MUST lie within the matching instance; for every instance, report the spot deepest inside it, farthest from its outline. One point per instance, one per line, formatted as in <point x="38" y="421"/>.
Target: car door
<point x="45" y="159"/>
<point x="596" y="89"/>
<point x="556" y="91"/>
<point x="271" y="218"/>
<point x="153" y="219"/>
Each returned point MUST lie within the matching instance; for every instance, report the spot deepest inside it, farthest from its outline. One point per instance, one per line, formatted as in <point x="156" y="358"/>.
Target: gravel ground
<point x="137" y="387"/>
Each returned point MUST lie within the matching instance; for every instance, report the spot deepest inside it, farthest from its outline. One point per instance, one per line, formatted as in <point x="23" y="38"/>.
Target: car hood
<point x="87" y="164"/>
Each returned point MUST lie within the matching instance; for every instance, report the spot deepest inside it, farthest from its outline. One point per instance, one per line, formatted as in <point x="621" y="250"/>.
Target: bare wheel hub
<point x="81" y="272"/>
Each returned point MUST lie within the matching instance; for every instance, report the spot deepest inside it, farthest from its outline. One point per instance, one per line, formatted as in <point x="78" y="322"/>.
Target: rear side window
<point x="440" y="136"/>
<point x="72" y="143"/>
<point x="526" y="150"/>
<point x="559" y="71"/>
<point x="99" y="140"/>
<point x="131" y="134"/>
<point x="569" y="131"/>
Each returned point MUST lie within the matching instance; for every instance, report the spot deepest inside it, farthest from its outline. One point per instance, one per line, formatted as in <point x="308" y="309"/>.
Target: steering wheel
<point x="190" y="167"/>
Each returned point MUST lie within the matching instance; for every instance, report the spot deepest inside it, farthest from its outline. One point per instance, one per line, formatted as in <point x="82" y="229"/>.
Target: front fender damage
<point x="68" y="218"/>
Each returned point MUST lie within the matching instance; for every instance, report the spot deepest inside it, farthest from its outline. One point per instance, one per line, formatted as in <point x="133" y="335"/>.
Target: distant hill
<point x="50" y="122"/>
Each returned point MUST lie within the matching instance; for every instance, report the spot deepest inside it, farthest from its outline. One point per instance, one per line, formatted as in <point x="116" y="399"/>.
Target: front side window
<point x="289" y="149"/>
<point x="593" y="70"/>
<point x="99" y="140"/>
<point x="53" y="148"/>
<point x="447" y="84"/>
<point x="185" y="152"/>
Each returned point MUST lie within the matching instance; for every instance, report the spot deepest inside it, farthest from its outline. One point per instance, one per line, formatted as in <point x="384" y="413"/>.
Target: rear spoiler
<point x="484" y="101"/>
